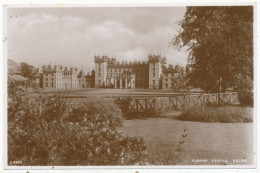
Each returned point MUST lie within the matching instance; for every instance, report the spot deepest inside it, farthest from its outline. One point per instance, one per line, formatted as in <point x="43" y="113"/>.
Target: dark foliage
<point x="220" y="45"/>
<point x="179" y="80"/>
<point x="124" y="104"/>
<point x="246" y="98"/>
<point x="47" y="131"/>
<point x="27" y="70"/>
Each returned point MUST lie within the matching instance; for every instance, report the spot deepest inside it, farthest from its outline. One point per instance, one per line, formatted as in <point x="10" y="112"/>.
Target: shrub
<point x="124" y="105"/>
<point x="96" y="110"/>
<point x="225" y="114"/>
<point x="246" y="98"/>
<point x="47" y="131"/>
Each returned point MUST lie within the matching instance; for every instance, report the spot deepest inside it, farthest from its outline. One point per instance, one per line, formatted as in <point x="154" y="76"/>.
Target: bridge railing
<point x="180" y="102"/>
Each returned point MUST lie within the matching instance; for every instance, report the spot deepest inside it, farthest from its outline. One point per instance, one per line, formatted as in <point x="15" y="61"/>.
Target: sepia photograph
<point x="130" y="86"/>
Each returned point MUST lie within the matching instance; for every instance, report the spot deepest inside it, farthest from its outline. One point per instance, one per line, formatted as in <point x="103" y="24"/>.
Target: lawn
<point x="219" y="141"/>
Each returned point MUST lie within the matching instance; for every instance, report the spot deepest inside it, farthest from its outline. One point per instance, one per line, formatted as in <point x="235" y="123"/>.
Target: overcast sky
<point x="72" y="36"/>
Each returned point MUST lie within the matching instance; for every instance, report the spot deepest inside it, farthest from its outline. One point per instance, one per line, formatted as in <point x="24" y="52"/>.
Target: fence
<point x="180" y="102"/>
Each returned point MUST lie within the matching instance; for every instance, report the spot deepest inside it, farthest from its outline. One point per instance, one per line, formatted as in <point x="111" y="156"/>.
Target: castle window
<point x="99" y="64"/>
<point x="153" y="82"/>
<point x="166" y="75"/>
<point x="166" y="85"/>
<point x="99" y="74"/>
<point x="99" y="69"/>
<point x="153" y="74"/>
<point x="153" y="69"/>
<point x="153" y="64"/>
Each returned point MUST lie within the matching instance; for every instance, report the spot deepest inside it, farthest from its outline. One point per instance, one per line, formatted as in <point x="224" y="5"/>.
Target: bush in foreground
<point x="246" y="98"/>
<point x="225" y="114"/>
<point x="49" y="132"/>
<point x="124" y="104"/>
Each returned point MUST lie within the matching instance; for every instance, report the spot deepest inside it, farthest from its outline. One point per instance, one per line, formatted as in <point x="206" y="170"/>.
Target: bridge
<point x="180" y="102"/>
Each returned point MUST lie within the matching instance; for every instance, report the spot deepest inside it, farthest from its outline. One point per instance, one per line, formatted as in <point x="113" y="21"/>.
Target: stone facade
<point x="60" y="77"/>
<point x="156" y="64"/>
<point x="167" y="77"/>
<point x="111" y="73"/>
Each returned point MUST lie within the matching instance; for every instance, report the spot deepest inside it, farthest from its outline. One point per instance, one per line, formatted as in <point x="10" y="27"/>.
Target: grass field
<point x="219" y="142"/>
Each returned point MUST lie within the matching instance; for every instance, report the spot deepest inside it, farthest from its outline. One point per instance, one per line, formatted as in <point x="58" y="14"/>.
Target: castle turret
<point x="155" y="70"/>
<point x="100" y="70"/>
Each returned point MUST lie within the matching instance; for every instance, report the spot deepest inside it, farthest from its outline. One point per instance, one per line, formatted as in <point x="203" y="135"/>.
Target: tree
<point x="80" y="74"/>
<point x="179" y="80"/>
<point x="220" y="45"/>
<point x="27" y="70"/>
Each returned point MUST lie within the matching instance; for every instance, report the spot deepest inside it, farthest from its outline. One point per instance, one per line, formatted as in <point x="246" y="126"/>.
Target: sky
<point x="73" y="36"/>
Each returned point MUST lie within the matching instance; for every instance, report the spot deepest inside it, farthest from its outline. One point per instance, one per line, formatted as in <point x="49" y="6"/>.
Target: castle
<point x="109" y="73"/>
<point x="61" y="77"/>
<point x="152" y="74"/>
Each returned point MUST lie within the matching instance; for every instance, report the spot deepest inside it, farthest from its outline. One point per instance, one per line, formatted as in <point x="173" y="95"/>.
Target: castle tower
<point x="74" y="82"/>
<point x="59" y="80"/>
<point x="100" y="70"/>
<point x="155" y="71"/>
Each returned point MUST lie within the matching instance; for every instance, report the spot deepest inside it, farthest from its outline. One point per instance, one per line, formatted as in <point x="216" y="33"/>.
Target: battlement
<point x="57" y="68"/>
<point x="129" y="64"/>
<point x="114" y="62"/>
<point x="100" y="59"/>
<point x="156" y="58"/>
<point x="169" y="69"/>
<point x="111" y="61"/>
